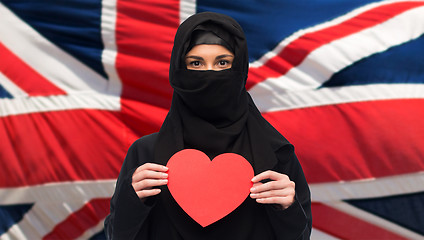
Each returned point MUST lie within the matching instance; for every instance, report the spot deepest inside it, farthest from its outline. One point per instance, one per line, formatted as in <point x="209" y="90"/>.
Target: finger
<point x="285" y="202"/>
<point x="152" y="166"/>
<point x="149" y="183"/>
<point x="273" y="185"/>
<point x="148" y="193"/>
<point x="269" y="175"/>
<point x="273" y="193"/>
<point x="148" y="174"/>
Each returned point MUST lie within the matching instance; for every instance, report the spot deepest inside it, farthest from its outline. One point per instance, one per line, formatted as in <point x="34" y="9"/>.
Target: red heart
<point x="208" y="190"/>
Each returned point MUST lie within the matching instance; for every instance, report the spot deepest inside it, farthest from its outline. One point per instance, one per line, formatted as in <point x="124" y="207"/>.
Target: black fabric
<point x="207" y="37"/>
<point x="215" y="97"/>
<point x="211" y="111"/>
<point x="131" y="218"/>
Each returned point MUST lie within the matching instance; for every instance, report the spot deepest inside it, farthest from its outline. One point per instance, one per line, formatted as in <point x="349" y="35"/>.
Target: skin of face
<point x="209" y="57"/>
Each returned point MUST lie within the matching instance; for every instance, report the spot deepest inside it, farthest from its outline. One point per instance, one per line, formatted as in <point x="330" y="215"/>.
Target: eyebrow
<point x="195" y="57"/>
<point x="224" y="56"/>
<point x="217" y="57"/>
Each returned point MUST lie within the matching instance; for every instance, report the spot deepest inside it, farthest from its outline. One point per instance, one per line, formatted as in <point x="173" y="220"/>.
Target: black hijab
<point x="211" y="110"/>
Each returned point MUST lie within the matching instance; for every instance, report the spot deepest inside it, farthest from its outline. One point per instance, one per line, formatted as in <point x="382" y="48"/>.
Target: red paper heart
<point x="208" y="190"/>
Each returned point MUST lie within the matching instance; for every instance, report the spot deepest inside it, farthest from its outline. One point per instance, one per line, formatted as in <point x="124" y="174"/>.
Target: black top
<point x="211" y="111"/>
<point x="130" y="218"/>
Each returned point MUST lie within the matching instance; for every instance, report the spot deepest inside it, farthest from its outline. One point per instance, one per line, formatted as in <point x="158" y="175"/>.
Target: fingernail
<point x="253" y="179"/>
<point x="165" y="168"/>
<point x="164" y="175"/>
<point x="252" y="189"/>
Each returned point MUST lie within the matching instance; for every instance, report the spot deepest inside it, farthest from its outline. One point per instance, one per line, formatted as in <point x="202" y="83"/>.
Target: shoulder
<point x="145" y="142"/>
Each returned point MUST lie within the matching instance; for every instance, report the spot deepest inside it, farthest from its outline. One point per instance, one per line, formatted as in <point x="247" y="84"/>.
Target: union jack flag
<point x="80" y="80"/>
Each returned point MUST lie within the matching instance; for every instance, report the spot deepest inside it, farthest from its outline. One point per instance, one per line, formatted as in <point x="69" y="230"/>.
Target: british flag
<point x="80" y="80"/>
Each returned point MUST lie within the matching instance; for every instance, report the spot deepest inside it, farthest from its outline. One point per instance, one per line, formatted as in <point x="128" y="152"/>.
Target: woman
<point x="211" y="111"/>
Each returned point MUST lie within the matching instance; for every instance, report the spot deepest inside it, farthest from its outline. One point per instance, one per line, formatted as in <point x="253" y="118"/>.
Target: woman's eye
<point x="195" y="63"/>
<point x="223" y="63"/>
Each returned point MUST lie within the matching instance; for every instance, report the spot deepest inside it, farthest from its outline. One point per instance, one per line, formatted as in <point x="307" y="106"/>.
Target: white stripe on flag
<point x="368" y="188"/>
<point x="272" y="98"/>
<point x="110" y="49"/>
<point x="41" y="219"/>
<point x="187" y="8"/>
<point x="83" y="100"/>
<point x="59" y="67"/>
<point x="63" y="192"/>
<point x="319" y="235"/>
<point x="11" y="87"/>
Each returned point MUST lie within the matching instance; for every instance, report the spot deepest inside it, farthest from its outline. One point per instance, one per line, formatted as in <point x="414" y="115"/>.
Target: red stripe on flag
<point x="61" y="146"/>
<point x="144" y="36"/>
<point x="356" y="140"/>
<point x="24" y="76"/>
<point x="141" y="119"/>
<point x="295" y="52"/>
<point x="80" y="221"/>
<point x="344" y="226"/>
<point x="71" y="145"/>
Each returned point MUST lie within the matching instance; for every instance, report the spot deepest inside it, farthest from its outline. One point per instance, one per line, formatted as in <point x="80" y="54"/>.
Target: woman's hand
<point x="280" y="190"/>
<point x="146" y="177"/>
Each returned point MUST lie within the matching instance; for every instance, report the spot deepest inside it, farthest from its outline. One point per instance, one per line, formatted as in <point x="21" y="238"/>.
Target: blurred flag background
<point x="343" y="80"/>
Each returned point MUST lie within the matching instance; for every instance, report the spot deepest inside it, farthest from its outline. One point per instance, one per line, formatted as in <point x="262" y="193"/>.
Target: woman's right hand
<point x="146" y="177"/>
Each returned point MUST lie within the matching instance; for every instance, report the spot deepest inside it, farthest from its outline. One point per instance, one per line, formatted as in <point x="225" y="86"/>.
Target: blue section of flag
<point x="74" y="26"/>
<point x="12" y="214"/>
<point x="267" y="23"/>
<point x="4" y="93"/>
<point x="399" y="64"/>
<point x="404" y="210"/>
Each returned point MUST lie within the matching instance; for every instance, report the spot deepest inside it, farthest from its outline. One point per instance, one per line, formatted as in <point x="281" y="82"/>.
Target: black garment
<point x="200" y="36"/>
<point x="132" y="219"/>
<point x="212" y="112"/>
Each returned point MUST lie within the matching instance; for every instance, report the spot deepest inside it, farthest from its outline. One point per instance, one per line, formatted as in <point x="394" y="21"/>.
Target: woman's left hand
<point x="280" y="190"/>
